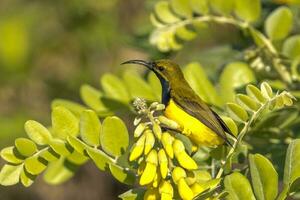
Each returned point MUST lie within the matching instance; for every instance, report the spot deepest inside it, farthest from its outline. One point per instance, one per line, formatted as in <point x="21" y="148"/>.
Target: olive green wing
<point x="194" y="106"/>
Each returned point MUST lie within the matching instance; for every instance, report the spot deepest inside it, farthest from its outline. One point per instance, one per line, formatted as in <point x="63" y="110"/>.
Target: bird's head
<point x="165" y="70"/>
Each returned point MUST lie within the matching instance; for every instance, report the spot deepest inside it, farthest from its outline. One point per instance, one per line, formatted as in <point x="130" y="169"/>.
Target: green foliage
<point x="165" y="161"/>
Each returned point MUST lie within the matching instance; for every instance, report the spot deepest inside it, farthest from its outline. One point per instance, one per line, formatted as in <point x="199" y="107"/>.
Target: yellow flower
<point x="149" y="141"/>
<point x="184" y="190"/>
<point x="167" y="141"/>
<point x="157" y="130"/>
<point x="139" y="130"/>
<point x="156" y="179"/>
<point x="182" y="157"/>
<point x="178" y="173"/>
<point x="151" y="194"/>
<point x="170" y="123"/>
<point x="150" y="169"/>
<point x="165" y="190"/>
<point x="163" y="163"/>
<point x="138" y="148"/>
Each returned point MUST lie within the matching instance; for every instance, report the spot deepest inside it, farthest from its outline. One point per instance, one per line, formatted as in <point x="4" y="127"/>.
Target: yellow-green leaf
<point x="64" y="122"/>
<point x="291" y="47"/>
<point x="75" y="108"/>
<point x="255" y="93"/>
<point x="26" y="178"/>
<point x="246" y="102"/>
<point x="122" y="175"/>
<point x="25" y="146"/>
<point x="9" y="174"/>
<point x="236" y="112"/>
<point x="8" y="154"/>
<point x="238" y="187"/>
<point x="162" y="11"/>
<point x="279" y="23"/>
<point x="37" y="132"/>
<point x="90" y="128"/>
<point x="35" y="165"/>
<point x="264" y="177"/>
<point x="182" y="8"/>
<point x="114" y="138"/>
<point x="61" y="147"/>
<point x="92" y="98"/>
<point x="248" y="10"/>
<point x="99" y="157"/>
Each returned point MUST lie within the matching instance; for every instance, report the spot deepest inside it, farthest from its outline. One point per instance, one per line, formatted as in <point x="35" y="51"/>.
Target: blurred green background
<point x="48" y="49"/>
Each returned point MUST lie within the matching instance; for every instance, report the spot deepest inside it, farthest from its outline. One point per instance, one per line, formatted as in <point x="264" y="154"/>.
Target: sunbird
<point x="198" y="121"/>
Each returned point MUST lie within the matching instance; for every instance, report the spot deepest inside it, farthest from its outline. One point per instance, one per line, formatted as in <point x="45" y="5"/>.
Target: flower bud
<point x="163" y="163"/>
<point x="138" y="148"/>
<point x="184" y="190"/>
<point x="157" y="130"/>
<point x="148" y="174"/>
<point x="191" y="178"/>
<point x="160" y="107"/>
<point x="182" y="157"/>
<point x="156" y="180"/>
<point x="139" y="129"/>
<point x="197" y="188"/>
<point x="166" y="190"/>
<point x="167" y="141"/>
<point x="149" y="141"/>
<point x="152" y="157"/>
<point x="170" y="123"/>
<point x="178" y="173"/>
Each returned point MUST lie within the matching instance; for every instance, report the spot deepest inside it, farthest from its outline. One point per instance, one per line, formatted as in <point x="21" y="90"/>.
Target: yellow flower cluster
<point x="163" y="161"/>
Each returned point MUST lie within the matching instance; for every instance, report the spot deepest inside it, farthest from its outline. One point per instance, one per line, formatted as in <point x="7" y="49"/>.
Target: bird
<point x="197" y="120"/>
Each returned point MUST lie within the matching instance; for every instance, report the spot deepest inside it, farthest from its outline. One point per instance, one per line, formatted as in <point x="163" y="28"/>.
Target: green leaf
<point x="122" y="175"/>
<point x="37" y="132"/>
<point x="279" y="23"/>
<point x="238" y="187"/>
<point x="92" y="98"/>
<point x="133" y="194"/>
<point x="77" y="158"/>
<point x="248" y="10"/>
<point x="99" y="157"/>
<point x="163" y="13"/>
<point x="9" y="174"/>
<point x="57" y="172"/>
<point x="49" y="155"/>
<point x="231" y="125"/>
<point x="264" y="177"/>
<point x="200" y="6"/>
<point x="35" y="165"/>
<point x="75" y="108"/>
<point x="246" y="102"/>
<point x="8" y="154"/>
<point x="25" y="146"/>
<point x="236" y="112"/>
<point x="61" y="147"/>
<point x="182" y="8"/>
<point x="196" y="77"/>
<point x="77" y="144"/>
<point x="90" y="128"/>
<point x="221" y="6"/>
<point x="114" y="88"/>
<point x="255" y="93"/>
<point x="292" y="165"/>
<point x="137" y="87"/>
<point x="26" y="178"/>
<point x="266" y="90"/>
<point x="234" y="76"/>
<point x="64" y="122"/>
<point x="114" y="138"/>
<point x="291" y="47"/>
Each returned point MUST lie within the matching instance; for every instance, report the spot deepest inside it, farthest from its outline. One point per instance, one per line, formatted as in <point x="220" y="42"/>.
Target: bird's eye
<point x="161" y="68"/>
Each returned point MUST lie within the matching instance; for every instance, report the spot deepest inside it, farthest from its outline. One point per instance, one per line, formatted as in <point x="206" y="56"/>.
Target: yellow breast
<point x="199" y="133"/>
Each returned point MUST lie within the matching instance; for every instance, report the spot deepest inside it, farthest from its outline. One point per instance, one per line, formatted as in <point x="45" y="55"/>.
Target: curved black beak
<point x="149" y="65"/>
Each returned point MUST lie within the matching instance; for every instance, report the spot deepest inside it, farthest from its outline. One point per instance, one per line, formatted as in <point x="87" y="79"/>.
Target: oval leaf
<point x="121" y="174"/>
<point x="9" y="174"/>
<point x="92" y="98"/>
<point x="255" y="93"/>
<point x="234" y="76"/>
<point x="246" y="102"/>
<point x="64" y="123"/>
<point x="90" y="128"/>
<point x="291" y="47"/>
<point x="25" y="146"/>
<point x="279" y="23"/>
<point x="37" y="132"/>
<point x="292" y="163"/>
<point x="198" y="80"/>
<point x="114" y="138"/>
<point x="99" y="157"/>
<point x="248" y="10"/>
<point x="264" y="177"/>
<point x="238" y="187"/>
<point x="35" y="165"/>
<point x="236" y="112"/>
<point x="114" y="88"/>
<point x="9" y="154"/>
